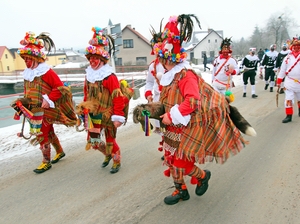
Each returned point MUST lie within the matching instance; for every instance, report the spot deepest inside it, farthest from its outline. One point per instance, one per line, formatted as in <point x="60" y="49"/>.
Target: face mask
<point x="95" y="62"/>
<point x="30" y="63"/>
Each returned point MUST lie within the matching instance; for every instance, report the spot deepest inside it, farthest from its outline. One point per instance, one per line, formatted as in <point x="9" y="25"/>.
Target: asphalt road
<point x="259" y="185"/>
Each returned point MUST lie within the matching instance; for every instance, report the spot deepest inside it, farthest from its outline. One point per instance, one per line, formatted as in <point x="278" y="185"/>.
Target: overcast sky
<point x="70" y="21"/>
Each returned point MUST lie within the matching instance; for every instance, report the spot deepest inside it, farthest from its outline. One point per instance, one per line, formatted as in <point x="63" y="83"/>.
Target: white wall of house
<point x="209" y="44"/>
<point x="140" y="49"/>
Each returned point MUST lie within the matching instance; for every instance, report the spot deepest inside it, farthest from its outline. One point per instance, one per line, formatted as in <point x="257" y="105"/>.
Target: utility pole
<point x="112" y="56"/>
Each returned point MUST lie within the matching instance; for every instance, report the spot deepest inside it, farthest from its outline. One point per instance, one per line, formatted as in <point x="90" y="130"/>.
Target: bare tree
<point x="279" y="28"/>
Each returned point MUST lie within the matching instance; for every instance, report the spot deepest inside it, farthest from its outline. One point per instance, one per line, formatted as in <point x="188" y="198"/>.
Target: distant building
<point x="135" y="50"/>
<point x="7" y="65"/>
<point x="204" y="42"/>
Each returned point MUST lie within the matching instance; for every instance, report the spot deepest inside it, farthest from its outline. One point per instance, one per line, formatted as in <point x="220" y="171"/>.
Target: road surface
<point x="259" y="185"/>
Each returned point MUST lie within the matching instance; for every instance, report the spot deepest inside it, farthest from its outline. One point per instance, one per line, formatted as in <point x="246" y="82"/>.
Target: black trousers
<point x="249" y="75"/>
<point x="269" y="74"/>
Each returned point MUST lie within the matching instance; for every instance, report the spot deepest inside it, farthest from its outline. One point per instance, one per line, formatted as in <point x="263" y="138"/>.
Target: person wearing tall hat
<point x="224" y="67"/>
<point x="152" y="87"/>
<point x="290" y="72"/>
<point x="106" y="99"/>
<point x="281" y="55"/>
<point x="249" y="68"/>
<point x="198" y="126"/>
<point x="49" y="100"/>
<point x="268" y="62"/>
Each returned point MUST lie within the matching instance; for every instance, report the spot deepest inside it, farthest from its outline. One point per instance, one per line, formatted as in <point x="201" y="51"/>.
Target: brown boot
<point x="180" y="193"/>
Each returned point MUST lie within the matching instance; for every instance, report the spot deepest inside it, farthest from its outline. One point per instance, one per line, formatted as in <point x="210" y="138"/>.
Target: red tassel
<point x="17" y="116"/>
<point x="194" y="180"/>
<point x="167" y="172"/>
<point x="160" y="149"/>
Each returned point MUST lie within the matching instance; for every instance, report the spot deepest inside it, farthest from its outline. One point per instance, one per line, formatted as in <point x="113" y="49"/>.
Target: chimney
<point x="209" y="30"/>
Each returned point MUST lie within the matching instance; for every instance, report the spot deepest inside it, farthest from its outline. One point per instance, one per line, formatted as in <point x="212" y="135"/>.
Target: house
<point x="7" y="66"/>
<point x="204" y="42"/>
<point x="136" y="49"/>
<point x="53" y="59"/>
<point x="74" y="56"/>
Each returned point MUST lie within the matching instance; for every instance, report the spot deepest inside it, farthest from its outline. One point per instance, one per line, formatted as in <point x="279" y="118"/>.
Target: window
<point x="6" y="56"/>
<point x="141" y="60"/>
<point x="208" y="41"/>
<point x="192" y="56"/>
<point x="7" y="68"/>
<point x="128" y="43"/>
<point x="202" y="53"/>
<point x="118" y="61"/>
<point x="212" y="54"/>
<point x="216" y="40"/>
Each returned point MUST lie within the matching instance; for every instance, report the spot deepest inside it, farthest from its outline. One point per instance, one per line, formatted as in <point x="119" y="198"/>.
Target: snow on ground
<point x="11" y="145"/>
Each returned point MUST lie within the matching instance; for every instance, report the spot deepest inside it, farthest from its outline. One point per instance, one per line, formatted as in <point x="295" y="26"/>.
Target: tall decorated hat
<point x="294" y="42"/>
<point x="226" y="45"/>
<point x="156" y="37"/>
<point x="34" y="46"/>
<point x="101" y="45"/>
<point x="176" y="31"/>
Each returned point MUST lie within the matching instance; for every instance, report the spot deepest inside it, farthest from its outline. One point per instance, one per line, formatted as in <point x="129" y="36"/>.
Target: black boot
<point x="202" y="185"/>
<point x="106" y="161"/>
<point x="266" y="86"/>
<point x="254" y="96"/>
<point x="244" y="94"/>
<point x="287" y="119"/>
<point x="281" y="91"/>
<point x="181" y="193"/>
<point x="271" y="89"/>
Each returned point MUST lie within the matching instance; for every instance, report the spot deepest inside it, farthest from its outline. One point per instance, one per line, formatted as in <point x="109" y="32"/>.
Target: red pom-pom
<point x="17" y="116"/>
<point x="160" y="149"/>
<point x="167" y="173"/>
<point x="19" y="134"/>
<point x="194" y="180"/>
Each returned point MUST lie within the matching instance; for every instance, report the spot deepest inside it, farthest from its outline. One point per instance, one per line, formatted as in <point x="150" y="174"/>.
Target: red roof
<point x="2" y="49"/>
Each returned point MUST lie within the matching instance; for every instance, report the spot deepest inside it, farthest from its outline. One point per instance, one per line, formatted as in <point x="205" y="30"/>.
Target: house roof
<point x="2" y="49"/>
<point x="199" y="37"/>
<point x="137" y="34"/>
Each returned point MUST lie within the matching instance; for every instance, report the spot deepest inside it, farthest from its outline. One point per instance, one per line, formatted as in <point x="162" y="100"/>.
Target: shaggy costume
<point x="201" y="129"/>
<point x="102" y="88"/>
<point x="290" y="72"/>
<point x="42" y="83"/>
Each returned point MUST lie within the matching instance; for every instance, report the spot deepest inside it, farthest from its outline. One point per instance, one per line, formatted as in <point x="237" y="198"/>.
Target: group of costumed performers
<point x="224" y="67"/>
<point x="152" y="86"/>
<point x="197" y="121"/>
<point x="106" y="100"/>
<point x="290" y="73"/>
<point x="46" y="100"/>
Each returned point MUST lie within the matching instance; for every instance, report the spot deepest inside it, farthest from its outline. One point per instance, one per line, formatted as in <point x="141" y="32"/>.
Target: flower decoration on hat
<point x="98" y="44"/>
<point x="295" y="42"/>
<point x="226" y="45"/>
<point x="34" y="46"/>
<point x="172" y="38"/>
